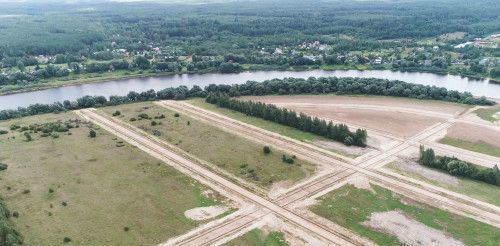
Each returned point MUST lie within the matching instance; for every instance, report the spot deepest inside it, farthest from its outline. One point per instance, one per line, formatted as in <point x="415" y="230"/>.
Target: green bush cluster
<point x="457" y="167"/>
<point x="3" y="166"/>
<point x="337" y="132"/>
<point x="9" y="236"/>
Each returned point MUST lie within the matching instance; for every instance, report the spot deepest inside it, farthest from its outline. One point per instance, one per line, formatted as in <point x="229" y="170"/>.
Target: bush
<point x="15" y="214"/>
<point x="266" y="150"/>
<point x="126" y="228"/>
<point x="28" y="137"/>
<point x="64" y="204"/>
<point x="143" y="116"/>
<point x="132" y="119"/>
<point x="177" y="115"/>
<point x="117" y="113"/>
<point x="288" y="160"/>
<point x="2" y="132"/>
<point x="153" y="123"/>
<point x="51" y="190"/>
<point x="66" y="240"/>
<point x="26" y="191"/>
<point x="92" y="133"/>
<point x="3" y="166"/>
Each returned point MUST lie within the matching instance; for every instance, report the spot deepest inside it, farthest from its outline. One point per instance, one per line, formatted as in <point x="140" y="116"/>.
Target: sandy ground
<point x="336" y="146"/>
<point x="474" y="133"/>
<point x="411" y="166"/>
<point x="205" y="213"/>
<point x="402" y="103"/>
<point x="401" y="119"/>
<point x="408" y="230"/>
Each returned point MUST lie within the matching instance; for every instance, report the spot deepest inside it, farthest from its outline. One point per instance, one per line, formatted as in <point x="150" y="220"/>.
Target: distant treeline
<point x="458" y="167"/>
<point x="287" y="86"/>
<point x="338" y="132"/>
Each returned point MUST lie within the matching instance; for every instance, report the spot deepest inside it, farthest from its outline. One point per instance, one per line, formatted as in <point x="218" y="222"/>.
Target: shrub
<point x="266" y="150"/>
<point x="15" y="214"/>
<point x="28" y="137"/>
<point x="66" y="240"/>
<point x="288" y="160"/>
<point x="143" y="116"/>
<point x="153" y="123"/>
<point x="14" y="127"/>
<point x="126" y="228"/>
<point x="64" y="204"/>
<point x="117" y="113"/>
<point x="51" y="190"/>
<point x="3" y="166"/>
<point x="132" y="119"/>
<point x="92" y="133"/>
<point x="2" y="132"/>
<point x="26" y="191"/>
<point x="177" y="115"/>
<point x="189" y="123"/>
<point x="54" y="135"/>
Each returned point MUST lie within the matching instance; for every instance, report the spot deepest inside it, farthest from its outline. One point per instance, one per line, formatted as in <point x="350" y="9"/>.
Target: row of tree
<point x="458" y="167"/>
<point x="338" y="132"/>
<point x="286" y="86"/>
<point x="362" y="86"/>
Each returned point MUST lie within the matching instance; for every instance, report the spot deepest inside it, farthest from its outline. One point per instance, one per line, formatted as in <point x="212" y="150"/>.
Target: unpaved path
<point x="311" y="153"/>
<point x="153" y="147"/>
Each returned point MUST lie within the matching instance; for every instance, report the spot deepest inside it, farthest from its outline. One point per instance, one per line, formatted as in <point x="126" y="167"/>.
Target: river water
<point x="123" y="86"/>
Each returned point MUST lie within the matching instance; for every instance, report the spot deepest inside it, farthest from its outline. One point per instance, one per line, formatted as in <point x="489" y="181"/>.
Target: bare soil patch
<point x="394" y="119"/>
<point x="205" y="213"/>
<point x="336" y="146"/>
<point x="474" y="133"/>
<point x="408" y="230"/>
<point x="411" y="166"/>
<point x="394" y="102"/>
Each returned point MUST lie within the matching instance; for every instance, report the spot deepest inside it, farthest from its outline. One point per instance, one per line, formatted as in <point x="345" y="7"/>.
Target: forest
<point x="58" y="43"/>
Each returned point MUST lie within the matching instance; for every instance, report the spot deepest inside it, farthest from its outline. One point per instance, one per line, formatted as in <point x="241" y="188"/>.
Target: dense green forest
<point x="41" y="42"/>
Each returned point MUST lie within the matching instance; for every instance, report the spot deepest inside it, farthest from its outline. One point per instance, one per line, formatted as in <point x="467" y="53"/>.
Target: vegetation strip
<point x="370" y="86"/>
<point x="458" y="167"/>
<point x="338" y="132"/>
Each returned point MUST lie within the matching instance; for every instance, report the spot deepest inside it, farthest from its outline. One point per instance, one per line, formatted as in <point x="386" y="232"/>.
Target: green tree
<point x="92" y="133"/>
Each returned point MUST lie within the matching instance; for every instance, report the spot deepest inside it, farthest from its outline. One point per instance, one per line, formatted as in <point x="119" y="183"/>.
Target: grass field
<point x="232" y="153"/>
<point x="258" y="237"/>
<point x="475" y="189"/>
<point x="350" y="207"/>
<point x="488" y="113"/>
<point x="267" y="125"/>
<point x="480" y="147"/>
<point x="90" y="190"/>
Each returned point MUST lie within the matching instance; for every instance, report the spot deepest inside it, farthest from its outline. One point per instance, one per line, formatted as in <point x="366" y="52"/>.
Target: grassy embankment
<point x="258" y="237"/>
<point x="264" y="124"/>
<point x="475" y="189"/>
<point x="90" y="190"/>
<point x="350" y="207"/>
<point x="480" y="147"/>
<point x="232" y="153"/>
<point x="488" y="113"/>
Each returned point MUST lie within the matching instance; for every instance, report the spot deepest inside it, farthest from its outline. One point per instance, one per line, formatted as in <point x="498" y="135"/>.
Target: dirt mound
<point x="408" y="230"/>
<point x="205" y="213"/>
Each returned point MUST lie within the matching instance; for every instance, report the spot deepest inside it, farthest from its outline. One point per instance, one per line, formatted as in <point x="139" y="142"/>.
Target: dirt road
<point x="154" y="147"/>
<point x="474" y="209"/>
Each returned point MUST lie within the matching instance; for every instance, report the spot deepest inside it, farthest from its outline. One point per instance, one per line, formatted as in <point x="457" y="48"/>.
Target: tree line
<point x="287" y="86"/>
<point x="457" y="167"/>
<point x="338" y="132"/>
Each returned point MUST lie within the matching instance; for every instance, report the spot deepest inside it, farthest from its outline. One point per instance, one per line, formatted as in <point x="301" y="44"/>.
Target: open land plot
<point x="491" y="114"/>
<point x="387" y="219"/>
<point x="234" y="154"/>
<point x="91" y="190"/>
<point x="472" y="188"/>
<point x="474" y="138"/>
<point x="259" y="237"/>
<point x="348" y="151"/>
<point x="404" y="118"/>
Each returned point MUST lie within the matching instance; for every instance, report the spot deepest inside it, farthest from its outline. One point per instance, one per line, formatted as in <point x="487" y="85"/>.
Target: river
<point x="123" y="86"/>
